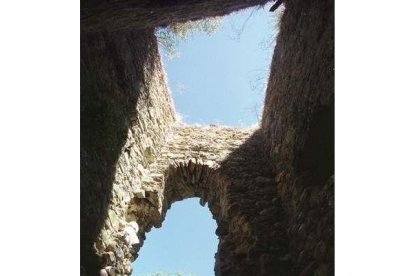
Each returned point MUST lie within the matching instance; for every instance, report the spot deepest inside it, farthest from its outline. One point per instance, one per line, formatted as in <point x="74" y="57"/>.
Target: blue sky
<point x="216" y="79"/>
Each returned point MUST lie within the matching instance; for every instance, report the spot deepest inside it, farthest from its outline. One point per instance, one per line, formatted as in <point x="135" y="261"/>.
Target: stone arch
<point x="127" y="113"/>
<point x="192" y="161"/>
<point x="210" y="163"/>
<point x="182" y="180"/>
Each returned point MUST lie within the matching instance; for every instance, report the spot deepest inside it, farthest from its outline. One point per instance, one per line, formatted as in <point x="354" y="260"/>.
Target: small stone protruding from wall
<point x="130" y="234"/>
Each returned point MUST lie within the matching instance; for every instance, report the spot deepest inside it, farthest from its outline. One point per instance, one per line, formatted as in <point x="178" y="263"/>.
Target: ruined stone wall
<point x="136" y="160"/>
<point x="126" y="112"/>
<point x="226" y="168"/>
<point x="186" y="167"/>
<point x="298" y="123"/>
<point x="132" y="14"/>
<point x="270" y="189"/>
<point x="253" y="239"/>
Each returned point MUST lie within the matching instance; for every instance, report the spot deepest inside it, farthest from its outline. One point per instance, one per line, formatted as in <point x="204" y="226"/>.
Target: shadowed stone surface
<point x="125" y="112"/>
<point x="269" y="189"/>
<point x="298" y="124"/>
<point x="216" y="165"/>
<point x="98" y="15"/>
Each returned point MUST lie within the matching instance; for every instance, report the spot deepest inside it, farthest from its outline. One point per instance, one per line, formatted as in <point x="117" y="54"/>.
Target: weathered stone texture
<point x="298" y="123"/>
<point x="269" y="189"/>
<point x="227" y="169"/>
<point x="301" y="83"/>
<point x="254" y="240"/>
<point x="126" y="112"/>
<point x="185" y="167"/>
<point x="115" y="15"/>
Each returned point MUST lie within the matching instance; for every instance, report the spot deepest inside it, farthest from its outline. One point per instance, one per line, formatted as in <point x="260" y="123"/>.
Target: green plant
<point x="169" y="37"/>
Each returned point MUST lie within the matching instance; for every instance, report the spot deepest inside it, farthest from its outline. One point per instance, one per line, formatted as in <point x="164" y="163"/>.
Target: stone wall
<point x="227" y="169"/>
<point x="269" y="189"/>
<point x="116" y="15"/>
<point x="298" y="123"/>
<point x="126" y="112"/>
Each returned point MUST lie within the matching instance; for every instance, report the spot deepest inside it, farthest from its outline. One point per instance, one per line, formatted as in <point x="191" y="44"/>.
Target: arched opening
<point x="232" y="84"/>
<point x="185" y="243"/>
<point x="133" y="172"/>
<point x="232" y="196"/>
<point x="213" y="164"/>
<point x="187" y="183"/>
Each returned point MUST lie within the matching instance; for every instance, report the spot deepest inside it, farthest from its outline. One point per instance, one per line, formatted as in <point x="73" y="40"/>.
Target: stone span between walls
<point x="216" y="165"/>
<point x="269" y="189"/>
<point x="136" y="160"/>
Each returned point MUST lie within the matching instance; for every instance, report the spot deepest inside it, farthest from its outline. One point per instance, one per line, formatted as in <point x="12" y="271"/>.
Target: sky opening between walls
<point x="216" y="79"/>
<point x="221" y="78"/>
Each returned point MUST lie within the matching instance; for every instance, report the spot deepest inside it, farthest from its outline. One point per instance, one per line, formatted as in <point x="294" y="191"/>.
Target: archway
<point x="125" y="162"/>
<point x="183" y="180"/>
<point x="228" y="170"/>
<point x="186" y="243"/>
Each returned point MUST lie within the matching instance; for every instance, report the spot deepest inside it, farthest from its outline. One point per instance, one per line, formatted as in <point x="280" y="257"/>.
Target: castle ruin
<point x="270" y="189"/>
